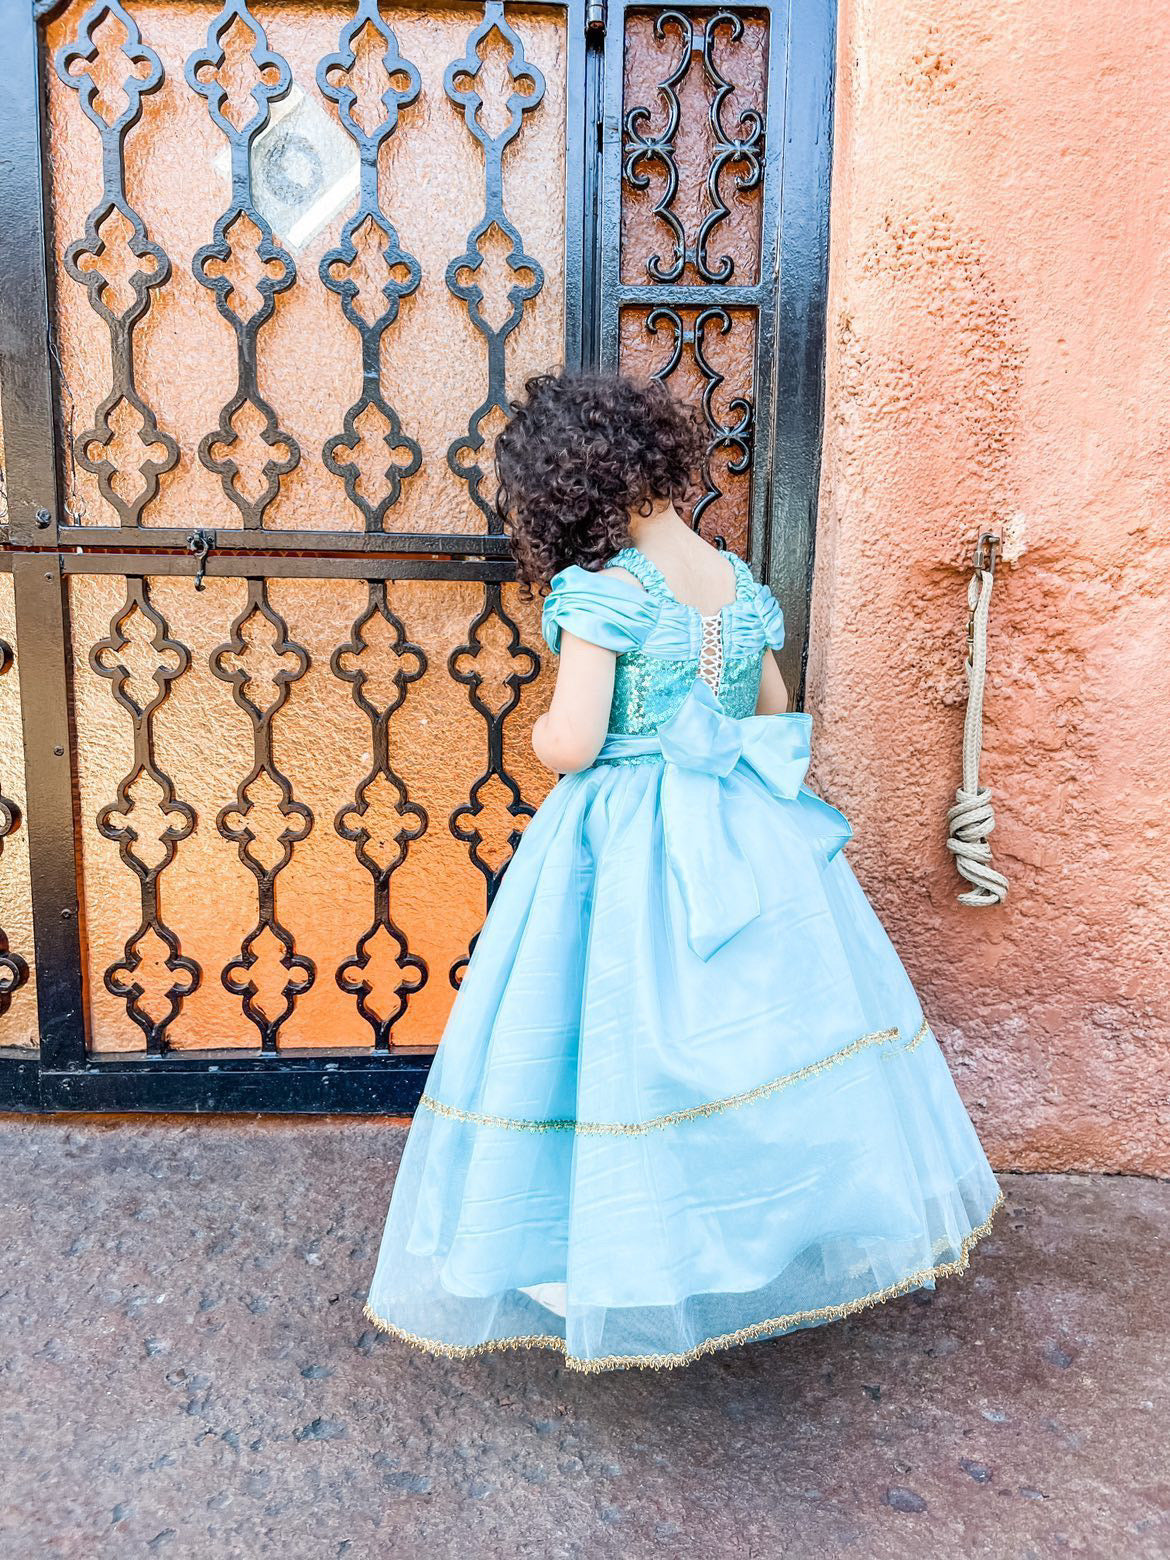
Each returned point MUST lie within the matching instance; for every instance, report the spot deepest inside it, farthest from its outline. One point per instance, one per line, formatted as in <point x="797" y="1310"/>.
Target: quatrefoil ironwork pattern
<point x="379" y="663"/>
<point x="116" y="261"/>
<point x="370" y="251"/>
<point x="466" y="454"/>
<point x="146" y="819"/>
<point x="494" y="694"/>
<point x="265" y="821"/>
<point x="241" y="78"/>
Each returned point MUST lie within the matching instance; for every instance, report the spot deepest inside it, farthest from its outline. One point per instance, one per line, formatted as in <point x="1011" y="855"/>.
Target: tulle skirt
<point x="636" y="1154"/>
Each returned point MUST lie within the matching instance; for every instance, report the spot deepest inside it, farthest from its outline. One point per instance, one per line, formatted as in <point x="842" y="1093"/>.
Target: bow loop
<point x="700" y="736"/>
<point x="702" y="745"/>
<point x="778" y="748"/>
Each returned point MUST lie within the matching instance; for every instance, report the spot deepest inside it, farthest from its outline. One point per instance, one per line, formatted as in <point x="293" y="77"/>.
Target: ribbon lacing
<point x="711" y="650"/>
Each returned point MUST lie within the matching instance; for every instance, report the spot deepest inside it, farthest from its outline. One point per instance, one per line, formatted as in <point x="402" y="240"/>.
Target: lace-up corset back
<point x="649" y="687"/>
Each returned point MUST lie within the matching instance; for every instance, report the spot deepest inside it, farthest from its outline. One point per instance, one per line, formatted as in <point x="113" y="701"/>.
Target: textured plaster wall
<point x="999" y="353"/>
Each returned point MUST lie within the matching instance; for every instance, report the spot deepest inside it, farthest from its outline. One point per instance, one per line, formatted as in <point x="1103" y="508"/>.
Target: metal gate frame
<point x="41" y="546"/>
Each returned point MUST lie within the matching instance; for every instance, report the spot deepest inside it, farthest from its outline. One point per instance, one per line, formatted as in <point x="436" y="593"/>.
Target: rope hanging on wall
<point x="971" y="819"/>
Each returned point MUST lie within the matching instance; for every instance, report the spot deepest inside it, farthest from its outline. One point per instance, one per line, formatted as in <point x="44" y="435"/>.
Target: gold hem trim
<point x="752" y="1334"/>
<point x="674" y="1117"/>
<point x="919" y="1036"/>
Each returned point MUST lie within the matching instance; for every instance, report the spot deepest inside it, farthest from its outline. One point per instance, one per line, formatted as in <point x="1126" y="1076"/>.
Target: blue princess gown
<point x="687" y="1095"/>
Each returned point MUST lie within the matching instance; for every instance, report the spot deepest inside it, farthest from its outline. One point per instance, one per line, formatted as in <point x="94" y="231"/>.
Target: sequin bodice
<point x="649" y="687"/>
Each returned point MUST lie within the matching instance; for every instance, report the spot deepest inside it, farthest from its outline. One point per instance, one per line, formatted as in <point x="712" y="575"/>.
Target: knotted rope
<point x="971" y="819"/>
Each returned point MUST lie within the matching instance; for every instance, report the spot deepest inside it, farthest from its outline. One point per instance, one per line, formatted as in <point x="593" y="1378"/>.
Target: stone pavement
<point x="186" y="1373"/>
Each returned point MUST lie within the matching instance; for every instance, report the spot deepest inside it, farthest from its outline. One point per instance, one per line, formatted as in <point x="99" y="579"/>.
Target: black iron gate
<point x="177" y="598"/>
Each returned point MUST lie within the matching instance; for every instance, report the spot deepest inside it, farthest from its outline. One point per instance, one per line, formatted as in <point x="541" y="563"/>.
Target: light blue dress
<point x="686" y="1096"/>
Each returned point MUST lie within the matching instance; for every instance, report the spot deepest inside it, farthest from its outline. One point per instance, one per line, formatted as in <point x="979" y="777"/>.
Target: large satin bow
<point x="701" y="746"/>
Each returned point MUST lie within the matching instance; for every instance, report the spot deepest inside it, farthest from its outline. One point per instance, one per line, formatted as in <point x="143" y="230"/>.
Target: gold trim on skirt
<point x="758" y="1330"/>
<point x="673" y="1118"/>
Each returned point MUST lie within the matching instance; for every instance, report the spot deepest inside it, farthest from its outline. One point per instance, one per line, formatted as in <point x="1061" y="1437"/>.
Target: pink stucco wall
<point x="999" y="354"/>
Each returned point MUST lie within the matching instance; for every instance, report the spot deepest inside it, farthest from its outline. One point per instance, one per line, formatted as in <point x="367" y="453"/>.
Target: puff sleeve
<point x="770" y="616"/>
<point x="608" y="612"/>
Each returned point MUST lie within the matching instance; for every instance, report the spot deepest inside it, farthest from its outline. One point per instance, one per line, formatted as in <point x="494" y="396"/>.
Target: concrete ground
<point x="186" y="1373"/>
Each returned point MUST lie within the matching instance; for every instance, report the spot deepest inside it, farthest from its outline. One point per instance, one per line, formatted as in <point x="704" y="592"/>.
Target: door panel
<point x="377" y="896"/>
<point x="337" y="383"/>
<point x="707" y="356"/>
<point x="347" y="378"/>
<point x="694" y="100"/>
<point x="692" y="171"/>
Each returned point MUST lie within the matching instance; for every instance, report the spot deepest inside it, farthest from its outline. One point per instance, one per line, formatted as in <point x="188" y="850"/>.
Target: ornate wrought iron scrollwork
<point x="734" y="437"/>
<point x="116" y="262"/>
<point x="146" y="793"/>
<point x="645" y="149"/>
<point x="248" y="665"/>
<point x="495" y="789"/>
<point x="745" y="150"/>
<point x="13" y="969"/>
<point x="240" y="108"/>
<point x="380" y="798"/>
<point x="368" y="240"/>
<point x="463" y="278"/>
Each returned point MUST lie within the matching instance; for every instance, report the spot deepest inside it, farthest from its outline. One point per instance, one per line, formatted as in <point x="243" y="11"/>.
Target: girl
<point x="686" y="1097"/>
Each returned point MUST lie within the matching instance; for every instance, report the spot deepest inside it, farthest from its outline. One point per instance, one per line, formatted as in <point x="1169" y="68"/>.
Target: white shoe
<point x="551" y="1296"/>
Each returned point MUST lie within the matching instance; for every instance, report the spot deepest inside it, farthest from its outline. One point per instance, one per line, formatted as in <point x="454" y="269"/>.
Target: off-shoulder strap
<point x="745" y="585"/>
<point x="760" y="602"/>
<point x="771" y="618"/>
<point x="648" y="574"/>
<point x="608" y="612"/>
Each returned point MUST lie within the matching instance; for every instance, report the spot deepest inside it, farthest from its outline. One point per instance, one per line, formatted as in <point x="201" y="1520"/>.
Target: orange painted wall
<point x="999" y="353"/>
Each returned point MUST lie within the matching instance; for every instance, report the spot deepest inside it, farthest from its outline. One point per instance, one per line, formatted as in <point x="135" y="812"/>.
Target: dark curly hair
<point x="581" y="451"/>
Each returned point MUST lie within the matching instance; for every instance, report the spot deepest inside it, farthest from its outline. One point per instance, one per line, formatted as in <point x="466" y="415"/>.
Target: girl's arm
<point x="569" y="737"/>
<point x="773" y="695"/>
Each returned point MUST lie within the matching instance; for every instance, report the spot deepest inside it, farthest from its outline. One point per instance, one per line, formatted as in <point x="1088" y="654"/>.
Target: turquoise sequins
<point x="739" y="687"/>
<point x="648" y="689"/>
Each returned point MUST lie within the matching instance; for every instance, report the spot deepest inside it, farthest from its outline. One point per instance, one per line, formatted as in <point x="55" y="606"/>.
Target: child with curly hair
<point x="686" y="1097"/>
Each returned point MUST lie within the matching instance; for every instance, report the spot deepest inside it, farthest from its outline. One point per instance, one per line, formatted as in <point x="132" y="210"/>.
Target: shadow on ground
<point x="186" y="1372"/>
